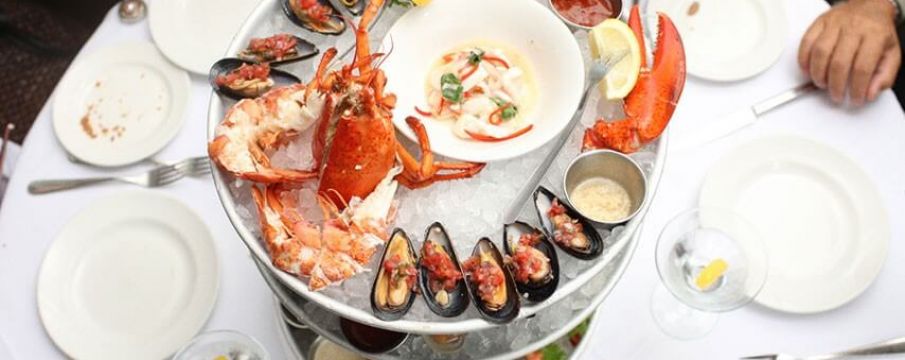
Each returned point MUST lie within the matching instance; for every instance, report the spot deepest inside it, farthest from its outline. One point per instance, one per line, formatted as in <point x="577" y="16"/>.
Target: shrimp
<point x="339" y="250"/>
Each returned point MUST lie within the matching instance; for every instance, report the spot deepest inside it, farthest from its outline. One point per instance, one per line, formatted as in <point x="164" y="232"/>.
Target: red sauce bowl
<point x="585" y="14"/>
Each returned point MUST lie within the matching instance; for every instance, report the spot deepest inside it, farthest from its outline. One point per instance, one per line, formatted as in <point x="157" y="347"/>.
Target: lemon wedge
<point x="421" y="2"/>
<point x="710" y="274"/>
<point x="611" y="38"/>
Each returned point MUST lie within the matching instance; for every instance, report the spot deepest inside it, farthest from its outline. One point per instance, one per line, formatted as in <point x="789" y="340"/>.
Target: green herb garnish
<point x="451" y="87"/>
<point x="509" y="110"/>
<point x="475" y="56"/>
<point x="553" y="352"/>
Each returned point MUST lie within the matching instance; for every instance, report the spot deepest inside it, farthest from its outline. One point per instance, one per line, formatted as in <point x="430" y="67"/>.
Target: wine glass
<point x="709" y="261"/>
<point x="222" y="344"/>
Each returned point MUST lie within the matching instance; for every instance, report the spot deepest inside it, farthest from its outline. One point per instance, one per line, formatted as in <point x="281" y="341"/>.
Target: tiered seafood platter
<point x="515" y="341"/>
<point x="355" y="244"/>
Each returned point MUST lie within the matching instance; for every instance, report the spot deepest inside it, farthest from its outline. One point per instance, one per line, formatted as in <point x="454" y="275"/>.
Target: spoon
<point x="131" y="11"/>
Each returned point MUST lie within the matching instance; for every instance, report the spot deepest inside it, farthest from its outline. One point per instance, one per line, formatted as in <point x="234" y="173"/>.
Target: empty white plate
<point x="120" y="105"/>
<point x="132" y="276"/>
<point x="728" y="40"/>
<point x="196" y="33"/>
<point x="822" y="220"/>
<point x="524" y="26"/>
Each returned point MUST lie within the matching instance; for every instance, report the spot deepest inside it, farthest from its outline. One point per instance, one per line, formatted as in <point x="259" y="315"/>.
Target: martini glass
<point x="710" y="261"/>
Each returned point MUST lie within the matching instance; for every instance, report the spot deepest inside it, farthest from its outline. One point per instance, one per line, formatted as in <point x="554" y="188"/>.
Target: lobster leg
<point x="417" y="174"/>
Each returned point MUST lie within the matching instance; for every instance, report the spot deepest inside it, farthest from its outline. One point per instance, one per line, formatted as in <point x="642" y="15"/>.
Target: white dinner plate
<point x="423" y="35"/>
<point x="821" y="218"/>
<point x="196" y="33"/>
<point x="727" y="40"/>
<point x="120" y="105"/>
<point x="132" y="276"/>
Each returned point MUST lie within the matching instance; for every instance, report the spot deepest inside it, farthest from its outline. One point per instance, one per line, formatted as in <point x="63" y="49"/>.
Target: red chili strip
<point x="487" y="138"/>
<point x="496" y="60"/>
<point x="423" y="113"/>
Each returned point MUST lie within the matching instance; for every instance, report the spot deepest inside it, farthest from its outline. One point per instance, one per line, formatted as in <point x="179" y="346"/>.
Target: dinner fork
<point x="888" y="347"/>
<point x="596" y="72"/>
<point x="194" y="166"/>
<point x="156" y="177"/>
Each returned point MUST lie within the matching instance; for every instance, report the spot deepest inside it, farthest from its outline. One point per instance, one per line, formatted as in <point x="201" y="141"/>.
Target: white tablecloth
<point x="28" y="224"/>
<point x="872" y="136"/>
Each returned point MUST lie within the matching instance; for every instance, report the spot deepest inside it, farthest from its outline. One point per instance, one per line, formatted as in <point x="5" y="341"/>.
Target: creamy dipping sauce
<point x="485" y="89"/>
<point x="601" y="199"/>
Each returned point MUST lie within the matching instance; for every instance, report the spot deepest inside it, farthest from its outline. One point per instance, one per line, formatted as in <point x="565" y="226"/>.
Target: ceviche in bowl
<point x="490" y="80"/>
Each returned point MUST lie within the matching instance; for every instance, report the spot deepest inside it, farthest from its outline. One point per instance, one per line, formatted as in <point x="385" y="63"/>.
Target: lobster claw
<point x="650" y="105"/>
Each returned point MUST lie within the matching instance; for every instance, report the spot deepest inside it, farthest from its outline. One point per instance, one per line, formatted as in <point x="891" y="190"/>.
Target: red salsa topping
<point x="587" y="12"/>
<point x="275" y="47"/>
<point x="442" y="273"/>
<point x="245" y="72"/>
<point x="486" y="275"/>
<point x="314" y="9"/>
<point x="396" y="268"/>
<point x="527" y="260"/>
<point x="566" y="229"/>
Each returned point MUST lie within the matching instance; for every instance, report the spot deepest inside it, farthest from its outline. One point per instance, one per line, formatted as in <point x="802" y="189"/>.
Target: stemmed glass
<point x="709" y="261"/>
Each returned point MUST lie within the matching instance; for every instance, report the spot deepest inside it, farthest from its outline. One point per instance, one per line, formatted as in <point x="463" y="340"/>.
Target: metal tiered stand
<point x="582" y="289"/>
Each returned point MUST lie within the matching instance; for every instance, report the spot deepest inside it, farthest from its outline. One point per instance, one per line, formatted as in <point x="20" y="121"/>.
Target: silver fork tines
<point x="195" y="166"/>
<point x="159" y="176"/>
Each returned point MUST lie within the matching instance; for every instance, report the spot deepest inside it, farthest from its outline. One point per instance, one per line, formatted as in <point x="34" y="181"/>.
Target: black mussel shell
<point x="383" y="312"/>
<point x="333" y="26"/>
<point x="303" y="49"/>
<point x="534" y="291"/>
<point x="510" y="309"/>
<point x="458" y="298"/>
<point x="543" y="201"/>
<point x="355" y="6"/>
<point x="224" y="66"/>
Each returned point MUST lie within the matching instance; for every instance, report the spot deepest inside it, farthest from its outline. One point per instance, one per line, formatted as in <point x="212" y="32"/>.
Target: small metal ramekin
<point x="614" y="166"/>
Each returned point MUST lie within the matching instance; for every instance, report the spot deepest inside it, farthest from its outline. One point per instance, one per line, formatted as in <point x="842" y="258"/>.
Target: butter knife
<point x="742" y="118"/>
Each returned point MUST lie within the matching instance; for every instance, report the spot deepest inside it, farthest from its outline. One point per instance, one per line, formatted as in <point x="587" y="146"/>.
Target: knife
<point x="735" y="121"/>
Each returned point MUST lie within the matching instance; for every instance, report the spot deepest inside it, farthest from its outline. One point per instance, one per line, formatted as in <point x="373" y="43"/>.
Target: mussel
<point x="532" y="261"/>
<point x="354" y="6"/>
<point x="394" y="288"/>
<point x="239" y="80"/>
<point x="440" y="276"/>
<point x="491" y="284"/>
<point x="315" y="15"/>
<point x="565" y="227"/>
<point x="277" y="50"/>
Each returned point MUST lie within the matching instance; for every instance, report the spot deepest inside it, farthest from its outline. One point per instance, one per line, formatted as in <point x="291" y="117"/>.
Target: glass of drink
<point x="709" y="261"/>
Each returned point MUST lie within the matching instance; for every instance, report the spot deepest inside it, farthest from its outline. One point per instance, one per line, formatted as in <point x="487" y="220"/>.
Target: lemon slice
<point x="711" y="273"/>
<point x="421" y="2"/>
<point x="611" y="38"/>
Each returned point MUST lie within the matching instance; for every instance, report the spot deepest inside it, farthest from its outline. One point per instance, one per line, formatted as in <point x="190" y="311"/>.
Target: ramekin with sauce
<point x="605" y="186"/>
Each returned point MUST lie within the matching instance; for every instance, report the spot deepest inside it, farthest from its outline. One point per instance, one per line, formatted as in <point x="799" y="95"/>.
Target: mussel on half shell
<point x="355" y="6"/>
<point x="532" y="261"/>
<point x="237" y="79"/>
<point x="565" y="227"/>
<point x="440" y="275"/>
<point x="277" y="50"/>
<point x="394" y="288"/>
<point x="490" y="284"/>
<point x="315" y="15"/>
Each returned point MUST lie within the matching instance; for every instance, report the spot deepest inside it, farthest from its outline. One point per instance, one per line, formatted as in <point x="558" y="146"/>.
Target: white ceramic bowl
<point x="423" y="35"/>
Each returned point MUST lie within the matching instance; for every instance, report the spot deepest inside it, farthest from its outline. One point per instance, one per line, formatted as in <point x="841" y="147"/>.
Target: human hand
<point x="853" y="45"/>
